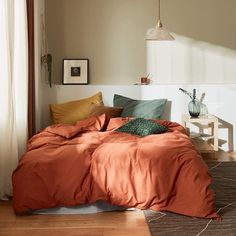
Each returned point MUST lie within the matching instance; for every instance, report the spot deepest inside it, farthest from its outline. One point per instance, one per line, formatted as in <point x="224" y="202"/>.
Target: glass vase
<point x="194" y="108"/>
<point x="203" y="109"/>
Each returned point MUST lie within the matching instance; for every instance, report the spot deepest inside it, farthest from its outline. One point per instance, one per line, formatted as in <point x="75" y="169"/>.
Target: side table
<point x="205" y="142"/>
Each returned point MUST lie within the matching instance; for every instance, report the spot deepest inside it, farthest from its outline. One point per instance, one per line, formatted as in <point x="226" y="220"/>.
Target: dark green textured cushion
<point x="150" y="109"/>
<point x="142" y="127"/>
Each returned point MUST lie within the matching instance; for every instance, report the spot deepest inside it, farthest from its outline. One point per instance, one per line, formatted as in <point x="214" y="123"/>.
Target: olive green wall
<point x="211" y="21"/>
<point x="110" y="33"/>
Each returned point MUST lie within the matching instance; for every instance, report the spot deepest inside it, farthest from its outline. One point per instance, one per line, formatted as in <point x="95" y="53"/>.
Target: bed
<point x="72" y="165"/>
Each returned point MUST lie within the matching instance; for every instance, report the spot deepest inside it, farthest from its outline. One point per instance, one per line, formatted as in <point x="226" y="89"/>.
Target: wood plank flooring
<point x="101" y="224"/>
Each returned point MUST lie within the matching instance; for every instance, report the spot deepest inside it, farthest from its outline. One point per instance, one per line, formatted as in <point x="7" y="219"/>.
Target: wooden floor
<point x="101" y="224"/>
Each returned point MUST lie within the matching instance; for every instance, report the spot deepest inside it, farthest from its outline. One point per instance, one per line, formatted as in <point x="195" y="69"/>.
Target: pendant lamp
<point x="159" y="32"/>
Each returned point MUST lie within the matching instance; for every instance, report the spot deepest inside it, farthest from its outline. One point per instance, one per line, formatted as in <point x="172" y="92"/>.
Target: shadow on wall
<point x="186" y="60"/>
<point x="211" y="21"/>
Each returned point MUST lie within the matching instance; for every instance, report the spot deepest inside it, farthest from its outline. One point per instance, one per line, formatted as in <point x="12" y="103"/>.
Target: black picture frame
<point x="75" y="72"/>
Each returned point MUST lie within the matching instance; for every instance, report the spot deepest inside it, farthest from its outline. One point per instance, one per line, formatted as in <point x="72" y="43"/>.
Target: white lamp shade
<point x="158" y="33"/>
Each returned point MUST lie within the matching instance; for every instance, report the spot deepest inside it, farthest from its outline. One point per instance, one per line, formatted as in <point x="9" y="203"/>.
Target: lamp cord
<point x="159" y="24"/>
<point x="159" y="10"/>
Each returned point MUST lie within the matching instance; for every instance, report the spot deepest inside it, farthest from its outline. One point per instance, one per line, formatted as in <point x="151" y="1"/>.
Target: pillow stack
<point x="73" y="111"/>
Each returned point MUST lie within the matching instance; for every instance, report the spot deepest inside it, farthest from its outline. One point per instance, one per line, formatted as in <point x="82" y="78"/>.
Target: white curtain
<point x="13" y="89"/>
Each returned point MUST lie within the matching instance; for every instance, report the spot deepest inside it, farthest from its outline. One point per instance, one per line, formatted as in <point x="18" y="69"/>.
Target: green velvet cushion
<point x="142" y="127"/>
<point x="150" y="109"/>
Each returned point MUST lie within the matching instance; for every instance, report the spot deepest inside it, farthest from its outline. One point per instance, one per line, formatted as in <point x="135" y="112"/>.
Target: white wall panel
<point x="220" y="100"/>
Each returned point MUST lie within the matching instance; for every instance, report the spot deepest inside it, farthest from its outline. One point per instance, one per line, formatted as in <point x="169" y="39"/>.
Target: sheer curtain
<point x="13" y="88"/>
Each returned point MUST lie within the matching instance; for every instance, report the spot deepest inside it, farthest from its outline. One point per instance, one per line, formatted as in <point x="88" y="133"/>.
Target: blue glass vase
<point x="194" y="108"/>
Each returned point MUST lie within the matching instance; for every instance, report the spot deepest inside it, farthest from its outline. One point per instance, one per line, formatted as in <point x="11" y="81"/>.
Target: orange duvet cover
<point x="68" y="165"/>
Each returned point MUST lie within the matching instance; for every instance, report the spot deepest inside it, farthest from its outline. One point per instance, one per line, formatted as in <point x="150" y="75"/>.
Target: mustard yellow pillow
<point x="71" y="112"/>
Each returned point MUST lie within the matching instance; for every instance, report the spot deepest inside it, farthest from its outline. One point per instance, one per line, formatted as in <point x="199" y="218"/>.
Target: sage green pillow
<point x="142" y="127"/>
<point x="150" y="109"/>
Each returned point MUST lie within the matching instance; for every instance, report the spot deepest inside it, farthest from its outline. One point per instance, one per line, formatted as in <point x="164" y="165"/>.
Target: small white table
<point x="203" y="140"/>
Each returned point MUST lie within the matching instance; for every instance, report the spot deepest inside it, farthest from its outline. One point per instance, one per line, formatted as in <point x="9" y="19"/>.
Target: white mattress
<point x="99" y="206"/>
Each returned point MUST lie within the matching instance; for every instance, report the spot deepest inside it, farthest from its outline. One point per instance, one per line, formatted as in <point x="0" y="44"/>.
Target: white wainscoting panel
<point x="220" y="100"/>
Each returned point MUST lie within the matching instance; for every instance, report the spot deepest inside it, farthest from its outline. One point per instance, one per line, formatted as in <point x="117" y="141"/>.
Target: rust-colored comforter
<point x="69" y="165"/>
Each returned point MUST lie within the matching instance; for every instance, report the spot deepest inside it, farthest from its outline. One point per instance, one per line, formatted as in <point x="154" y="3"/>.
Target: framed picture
<point x="75" y="71"/>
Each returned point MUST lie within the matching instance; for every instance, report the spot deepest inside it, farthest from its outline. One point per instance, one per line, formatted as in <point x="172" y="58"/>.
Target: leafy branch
<point x="47" y="62"/>
<point x="188" y="93"/>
